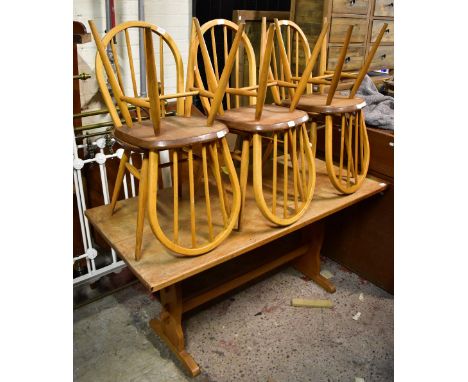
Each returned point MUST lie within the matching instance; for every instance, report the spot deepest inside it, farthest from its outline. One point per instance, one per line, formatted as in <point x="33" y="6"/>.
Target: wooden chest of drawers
<point x="367" y="17"/>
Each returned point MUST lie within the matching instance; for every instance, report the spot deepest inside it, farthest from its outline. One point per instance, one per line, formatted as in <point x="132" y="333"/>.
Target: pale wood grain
<point x="159" y="267"/>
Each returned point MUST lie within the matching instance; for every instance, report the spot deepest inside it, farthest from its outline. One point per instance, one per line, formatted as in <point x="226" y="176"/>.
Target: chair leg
<point x="244" y="174"/>
<point x="313" y="137"/>
<point x="119" y="179"/>
<point x="142" y="197"/>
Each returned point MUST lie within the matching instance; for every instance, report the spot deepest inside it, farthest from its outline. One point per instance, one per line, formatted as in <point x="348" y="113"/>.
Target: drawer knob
<point x="383" y="56"/>
<point x="352" y="2"/>
<point x="389" y="5"/>
<point x="347" y="60"/>
<point x="387" y="30"/>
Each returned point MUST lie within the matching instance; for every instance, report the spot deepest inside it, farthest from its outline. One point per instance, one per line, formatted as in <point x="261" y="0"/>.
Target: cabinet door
<point x="383" y="8"/>
<point x="339" y="27"/>
<point x="355" y="7"/>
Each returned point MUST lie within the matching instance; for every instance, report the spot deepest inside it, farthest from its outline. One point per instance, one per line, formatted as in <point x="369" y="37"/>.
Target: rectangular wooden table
<point x="184" y="283"/>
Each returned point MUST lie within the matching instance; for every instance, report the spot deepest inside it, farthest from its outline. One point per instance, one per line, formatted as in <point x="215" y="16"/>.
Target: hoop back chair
<point x="182" y="135"/>
<point x="349" y="110"/>
<point x="259" y="121"/>
<point x="291" y="58"/>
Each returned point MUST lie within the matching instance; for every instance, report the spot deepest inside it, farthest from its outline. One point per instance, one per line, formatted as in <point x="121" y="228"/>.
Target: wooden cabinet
<point x="367" y="17"/>
<point x="361" y="237"/>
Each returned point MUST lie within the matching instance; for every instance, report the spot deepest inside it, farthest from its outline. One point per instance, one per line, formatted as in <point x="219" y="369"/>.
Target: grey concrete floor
<point x="252" y="335"/>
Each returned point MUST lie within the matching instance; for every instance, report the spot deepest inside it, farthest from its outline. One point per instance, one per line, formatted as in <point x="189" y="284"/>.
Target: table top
<point x="159" y="267"/>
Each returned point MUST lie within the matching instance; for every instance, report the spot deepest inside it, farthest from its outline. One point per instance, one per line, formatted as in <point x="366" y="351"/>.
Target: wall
<point x="174" y="16"/>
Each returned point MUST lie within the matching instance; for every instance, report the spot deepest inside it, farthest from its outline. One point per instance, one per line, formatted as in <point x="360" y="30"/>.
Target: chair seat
<point x="315" y="103"/>
<point x="175" y="132"/>
<point x="273" y="118"/>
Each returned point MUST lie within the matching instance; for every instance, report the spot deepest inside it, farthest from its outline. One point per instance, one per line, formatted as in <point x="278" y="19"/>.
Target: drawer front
<point x="381" y="151"/>
<point x="388" y="34"/>
<point x="353" y="61"/>
<point x="357" y="7"/>
<point x="383" y="58"/>
<point x="383" y="8"/>
<point x="339" y="27"/>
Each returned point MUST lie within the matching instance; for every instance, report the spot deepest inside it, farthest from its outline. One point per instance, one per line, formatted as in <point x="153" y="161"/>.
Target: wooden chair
<point x="348" y="110"/>
<point x="184" y="136"/>
<point x="288" y="63"/>
<point x="257" y="122"/>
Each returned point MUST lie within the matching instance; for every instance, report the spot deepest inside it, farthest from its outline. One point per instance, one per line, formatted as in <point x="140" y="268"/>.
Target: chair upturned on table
<point x="183" y="135"/>
<point x="353" y="162"/>
<point x="258" y="122"/>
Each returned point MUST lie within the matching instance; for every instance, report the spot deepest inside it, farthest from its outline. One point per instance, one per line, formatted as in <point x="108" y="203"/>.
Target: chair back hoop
<point x="295" y="38"/>
<point x="223" y="81"/>
<point x="290" y="62"/>
<point x="154" y="102"/>
<point x="211" y="64"/>
<point x="301" y="86"/>
<point x="367" y="62"/>
<point x="339" y="66"/>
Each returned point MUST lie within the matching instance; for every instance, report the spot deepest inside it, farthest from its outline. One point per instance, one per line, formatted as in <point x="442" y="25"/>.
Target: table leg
<point x="309" y="263"/>
<point x="169" y="326"/>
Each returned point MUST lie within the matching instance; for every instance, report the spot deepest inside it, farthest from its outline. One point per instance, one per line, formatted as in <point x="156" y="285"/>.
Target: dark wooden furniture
<point x="362" y="239"/>
<point x="185" y="283"/>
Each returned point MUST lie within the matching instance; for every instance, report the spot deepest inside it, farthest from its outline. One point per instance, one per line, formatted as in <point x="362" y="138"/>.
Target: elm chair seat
<point x="274" y="118"/>
<point x="316" y="103"/>
<point x="175" y="132"/>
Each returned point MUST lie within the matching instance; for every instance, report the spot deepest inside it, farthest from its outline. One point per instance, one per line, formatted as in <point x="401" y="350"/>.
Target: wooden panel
<point x="309" y="16"/>
<point x="361" y="236"/>
<point x="383" y="8"/>
<point x="388" y="35"/>
<point x="353" y="61"/>
<point x="383" y="58"/>
<point x="339" y="27"/>
<point x="357" y="7"/>
<point x="160" y="268"/>
<point x="382" y="151"/>
<point x="361" y="239"/>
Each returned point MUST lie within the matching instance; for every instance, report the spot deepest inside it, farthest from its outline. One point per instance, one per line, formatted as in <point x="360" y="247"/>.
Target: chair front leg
<point x="119" y="179"/>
